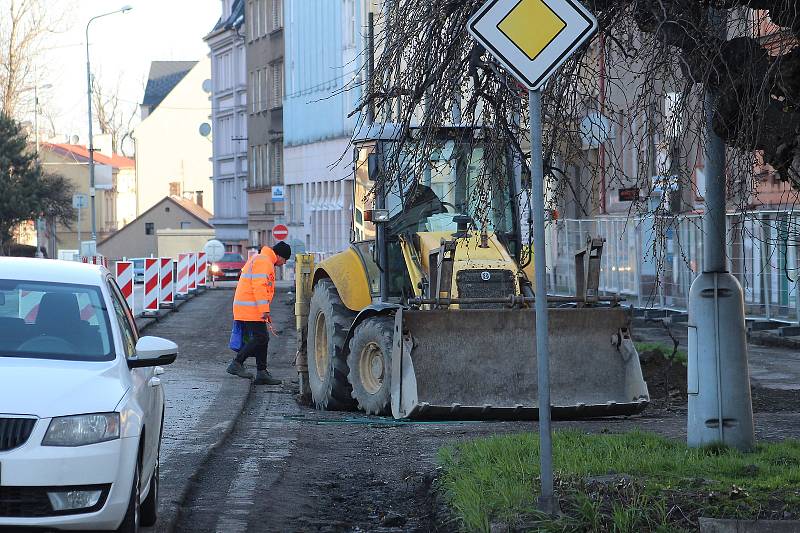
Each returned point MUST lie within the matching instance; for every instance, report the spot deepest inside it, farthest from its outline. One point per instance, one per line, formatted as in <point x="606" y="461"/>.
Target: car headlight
<point x="81" y="430"/>
<point x="215" y="269"/>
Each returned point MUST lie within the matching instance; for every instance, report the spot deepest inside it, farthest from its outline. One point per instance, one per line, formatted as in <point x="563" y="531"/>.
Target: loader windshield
<point x="459" y="180"/>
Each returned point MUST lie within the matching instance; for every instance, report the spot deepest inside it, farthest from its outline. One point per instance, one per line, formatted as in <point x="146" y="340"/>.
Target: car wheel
<point x="149" y="512"/>
<point x="130" y="524"/>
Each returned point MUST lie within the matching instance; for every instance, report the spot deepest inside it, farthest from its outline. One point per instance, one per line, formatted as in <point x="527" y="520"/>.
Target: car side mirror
<point x="153" y="351"/>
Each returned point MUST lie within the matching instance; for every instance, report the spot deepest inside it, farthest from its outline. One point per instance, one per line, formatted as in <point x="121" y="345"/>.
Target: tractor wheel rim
<point x="321" y="347"/>
<point x="371" y="367"/>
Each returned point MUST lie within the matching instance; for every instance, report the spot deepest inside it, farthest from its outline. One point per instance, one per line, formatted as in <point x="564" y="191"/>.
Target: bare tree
<point x="24" y="25"/>
<point x="114" y="116"/>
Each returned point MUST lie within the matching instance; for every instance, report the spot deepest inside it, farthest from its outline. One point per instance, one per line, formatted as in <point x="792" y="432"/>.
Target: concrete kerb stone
<point x="144" y="322"/>
<point x="714" y="525"/>
<point x="168" y="521"/>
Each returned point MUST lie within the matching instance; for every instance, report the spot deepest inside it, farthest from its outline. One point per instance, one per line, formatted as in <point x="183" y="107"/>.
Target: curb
<point x="144" y="322"/>
<point x="168" y="526"/>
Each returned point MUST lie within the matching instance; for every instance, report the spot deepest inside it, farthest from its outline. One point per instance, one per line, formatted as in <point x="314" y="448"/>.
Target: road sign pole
<point x="547" y="501"/>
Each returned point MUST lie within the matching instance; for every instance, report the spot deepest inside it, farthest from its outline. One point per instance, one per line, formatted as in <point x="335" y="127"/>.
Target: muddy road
<point x="287" y="467"/>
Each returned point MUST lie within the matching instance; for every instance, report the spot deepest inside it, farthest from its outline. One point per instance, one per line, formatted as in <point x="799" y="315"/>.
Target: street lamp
<point x="124" y="9"/>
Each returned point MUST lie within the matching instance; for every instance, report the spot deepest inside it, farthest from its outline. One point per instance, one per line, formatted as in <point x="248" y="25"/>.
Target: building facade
<point x="172" y="157"/>
<point x="265" y="90"/>
<point x="72" y="162"/>
<point x="324" y="45"/>
<point x="228" y="87"/>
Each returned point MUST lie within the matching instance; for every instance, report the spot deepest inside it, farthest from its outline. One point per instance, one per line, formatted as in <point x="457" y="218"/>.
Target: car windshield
<point x="232" y="258"/>
<point x="45" y="320"/>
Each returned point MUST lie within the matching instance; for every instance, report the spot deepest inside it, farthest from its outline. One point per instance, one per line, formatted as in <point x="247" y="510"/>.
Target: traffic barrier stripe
<point x="151" y="283"/>
<point x="183" y="274"/>
<point x="167" y="293"/>
<point x="192" y="271"/>
<point x="124" y="272"/>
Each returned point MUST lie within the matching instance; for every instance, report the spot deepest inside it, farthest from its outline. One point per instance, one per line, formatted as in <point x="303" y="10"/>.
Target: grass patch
<point x="663" y="349"/>
<point x="618" y="482"/>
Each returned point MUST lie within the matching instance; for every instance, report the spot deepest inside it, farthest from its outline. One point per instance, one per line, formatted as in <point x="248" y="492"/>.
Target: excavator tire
<point x="370" y="363"/>
<point x="328" y="322"/>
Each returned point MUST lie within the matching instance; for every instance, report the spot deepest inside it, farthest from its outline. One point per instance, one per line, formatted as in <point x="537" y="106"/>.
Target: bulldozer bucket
<point x="481" y="364"/>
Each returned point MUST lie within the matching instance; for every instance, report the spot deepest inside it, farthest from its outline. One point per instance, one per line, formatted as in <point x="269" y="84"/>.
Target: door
<point x="146" y="386"/>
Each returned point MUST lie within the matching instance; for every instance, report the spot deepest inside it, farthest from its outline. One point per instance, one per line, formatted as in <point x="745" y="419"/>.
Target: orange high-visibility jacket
<point x="256" y="287"/>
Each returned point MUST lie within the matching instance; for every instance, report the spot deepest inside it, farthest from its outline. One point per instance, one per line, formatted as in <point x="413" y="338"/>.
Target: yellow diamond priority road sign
<point x="532" y="38"/>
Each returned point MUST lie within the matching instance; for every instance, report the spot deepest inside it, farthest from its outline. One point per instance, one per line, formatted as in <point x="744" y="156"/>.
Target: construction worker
<point x="254" y="293"/>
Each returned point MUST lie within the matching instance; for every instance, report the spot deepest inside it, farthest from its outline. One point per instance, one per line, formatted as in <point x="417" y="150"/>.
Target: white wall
<point x="169" y="147"/>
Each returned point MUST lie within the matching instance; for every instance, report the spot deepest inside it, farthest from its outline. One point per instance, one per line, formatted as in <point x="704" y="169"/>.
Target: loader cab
<point x="460" y="181"/>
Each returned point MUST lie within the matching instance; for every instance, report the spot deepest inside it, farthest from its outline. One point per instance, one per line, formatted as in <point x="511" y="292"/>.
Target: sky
<point x="122" y="47"/>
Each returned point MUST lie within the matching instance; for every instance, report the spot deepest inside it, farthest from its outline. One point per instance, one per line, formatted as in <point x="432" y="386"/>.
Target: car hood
<point x="48" y="388"/>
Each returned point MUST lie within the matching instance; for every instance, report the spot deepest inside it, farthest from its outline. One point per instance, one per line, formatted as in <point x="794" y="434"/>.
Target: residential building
<point x="324" y="54"/>
<point x="265" y="73"/>
<point x="125" y="182"/>
<point x="173" y="158"/>
<point x="178" y="217"/>
<point x="229" y="125"/>
<point x="72" y="162"/>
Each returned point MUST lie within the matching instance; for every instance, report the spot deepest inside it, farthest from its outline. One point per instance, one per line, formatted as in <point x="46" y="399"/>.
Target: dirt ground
<point x="287" y="467"/>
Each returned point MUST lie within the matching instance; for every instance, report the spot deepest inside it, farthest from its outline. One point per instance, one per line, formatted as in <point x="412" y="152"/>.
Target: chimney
<point x="198" y="198"/>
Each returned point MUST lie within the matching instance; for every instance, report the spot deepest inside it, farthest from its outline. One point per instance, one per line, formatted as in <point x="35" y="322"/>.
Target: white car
<point x="81" y="403"/>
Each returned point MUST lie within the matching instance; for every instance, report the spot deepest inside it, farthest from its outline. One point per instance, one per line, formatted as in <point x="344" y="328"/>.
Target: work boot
<point x="237" y="369"/>
<point x="265" y="378"/>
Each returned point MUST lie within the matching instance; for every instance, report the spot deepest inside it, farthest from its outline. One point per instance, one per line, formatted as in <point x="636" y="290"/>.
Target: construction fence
<point x="652" y="261"/>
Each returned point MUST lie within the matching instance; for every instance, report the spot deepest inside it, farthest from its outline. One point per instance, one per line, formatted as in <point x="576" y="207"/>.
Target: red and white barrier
<point x="183" y="275"/>
<point x="98" y="260"/>
<point x="202" y="269"/>
<point x="167" y="297"/>
<point x="124" y="274"/>
<point x="192" y="271"/>
<point x="152" y="289"/>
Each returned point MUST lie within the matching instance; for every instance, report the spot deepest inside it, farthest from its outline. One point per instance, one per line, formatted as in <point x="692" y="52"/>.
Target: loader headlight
<point x="81" y="430"/>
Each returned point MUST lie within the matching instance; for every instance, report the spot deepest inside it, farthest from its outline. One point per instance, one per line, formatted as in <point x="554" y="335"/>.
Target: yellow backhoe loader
<point x="428" y="314"/>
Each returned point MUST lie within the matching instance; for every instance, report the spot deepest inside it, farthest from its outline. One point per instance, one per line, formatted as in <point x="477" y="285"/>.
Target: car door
<point x="147" y="387"/>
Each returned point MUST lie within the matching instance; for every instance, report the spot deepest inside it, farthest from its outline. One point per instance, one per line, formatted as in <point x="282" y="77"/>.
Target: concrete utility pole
<point x="720" y="409"/>
<point x="124" y="9"/>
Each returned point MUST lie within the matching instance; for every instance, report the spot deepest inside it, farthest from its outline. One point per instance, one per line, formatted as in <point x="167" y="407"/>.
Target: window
<point x="277" y="14"/>
<point x="253" y="162"/>
<point x="149" y="228"/>
<point x="251" y="34"/>
<point x="265" y="176"/>
<point x="123" y="314"/>
<point x="186" y="225"/>
<point x="251" y="92"/>
<point x="263" y="82"/>
<point x="276" y="163"/>
<point x="48" y="320"/>
<point x="277" y="84"/>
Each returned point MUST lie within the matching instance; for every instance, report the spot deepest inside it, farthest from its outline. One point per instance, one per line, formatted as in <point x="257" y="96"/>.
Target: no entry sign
<point x="280" y="232"/>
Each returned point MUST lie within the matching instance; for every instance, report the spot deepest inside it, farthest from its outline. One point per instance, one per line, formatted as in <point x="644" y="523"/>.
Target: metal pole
<point x="39" y="220"/>
<point x="547" y="501"/>
<point x="91" y="138"/>
<point x="714" y="218"/>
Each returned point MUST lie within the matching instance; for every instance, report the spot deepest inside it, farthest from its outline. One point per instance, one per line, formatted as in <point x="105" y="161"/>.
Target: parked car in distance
<point x="229" y="267"/>
<point x="138" y="270"/>
<point x="81" y="401"/>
